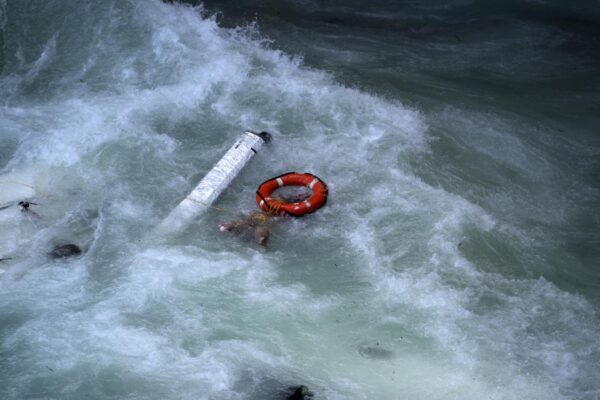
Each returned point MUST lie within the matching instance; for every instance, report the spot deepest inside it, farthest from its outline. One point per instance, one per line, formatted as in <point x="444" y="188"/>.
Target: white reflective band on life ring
<point x="313" y="183"/>
<point x="280" y="182"/>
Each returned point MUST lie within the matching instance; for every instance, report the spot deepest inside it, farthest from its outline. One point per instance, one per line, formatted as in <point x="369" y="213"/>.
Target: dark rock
<point x="300" y="393"/>
<point x="65" y="250"/>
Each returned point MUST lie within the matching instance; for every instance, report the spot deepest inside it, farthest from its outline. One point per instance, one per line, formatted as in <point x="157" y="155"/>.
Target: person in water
<point x="258" y="221"/>
<point x="255" y="221"/>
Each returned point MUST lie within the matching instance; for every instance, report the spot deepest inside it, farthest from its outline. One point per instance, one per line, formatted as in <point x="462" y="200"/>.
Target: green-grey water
<point x="457" y="256"/>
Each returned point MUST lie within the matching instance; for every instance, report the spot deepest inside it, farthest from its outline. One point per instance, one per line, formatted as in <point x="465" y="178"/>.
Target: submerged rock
<point x="376" y="353"/>
<point x="65" y="250"/>
<point x="300" y="393"/>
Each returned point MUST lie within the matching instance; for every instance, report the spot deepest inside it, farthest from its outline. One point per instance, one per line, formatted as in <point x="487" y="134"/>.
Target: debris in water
<point x="65" y="250"/>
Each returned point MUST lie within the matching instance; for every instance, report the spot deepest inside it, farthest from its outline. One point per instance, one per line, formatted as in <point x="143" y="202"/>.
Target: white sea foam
<point x="203" y="316"/>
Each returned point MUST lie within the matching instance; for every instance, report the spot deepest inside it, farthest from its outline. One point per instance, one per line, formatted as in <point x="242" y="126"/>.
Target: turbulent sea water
<point x="457" y="257"/>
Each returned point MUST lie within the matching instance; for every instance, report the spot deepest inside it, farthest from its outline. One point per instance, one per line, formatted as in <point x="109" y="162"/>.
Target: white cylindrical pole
<point x="211" y="186"/>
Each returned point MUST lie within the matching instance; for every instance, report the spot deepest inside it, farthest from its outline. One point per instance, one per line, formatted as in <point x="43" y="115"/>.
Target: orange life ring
<point x="273" y="206"/>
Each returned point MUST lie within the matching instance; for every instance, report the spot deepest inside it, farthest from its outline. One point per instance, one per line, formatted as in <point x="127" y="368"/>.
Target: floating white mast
<point x="213" y="184"/>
